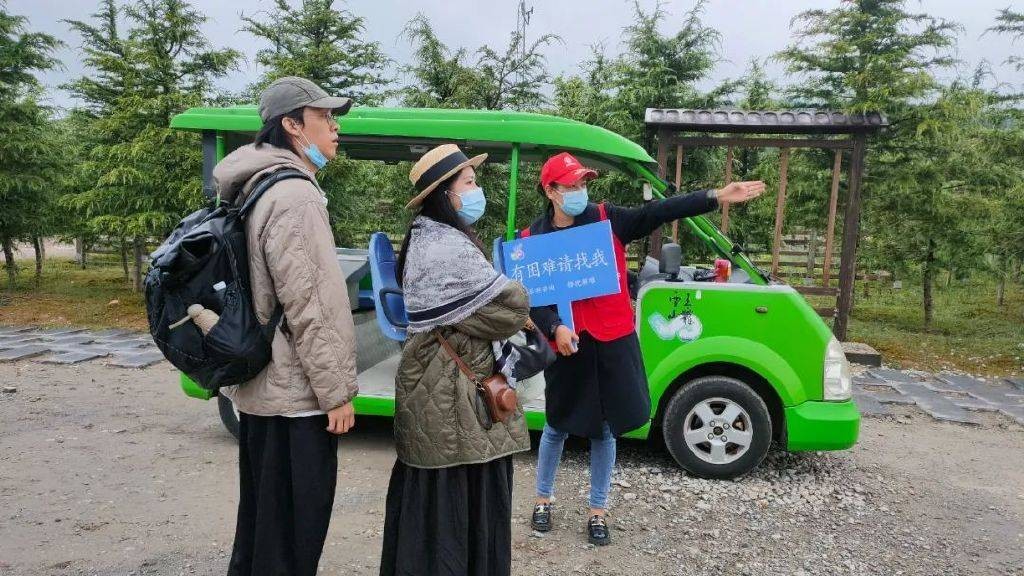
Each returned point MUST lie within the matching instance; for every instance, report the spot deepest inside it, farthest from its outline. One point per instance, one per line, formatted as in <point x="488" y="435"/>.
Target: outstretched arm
<point x="633" y="223"/>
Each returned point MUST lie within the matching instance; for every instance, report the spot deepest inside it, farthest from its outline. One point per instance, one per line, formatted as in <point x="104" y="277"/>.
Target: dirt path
<point x="113" y="472"/>
<point x="53" y="247"/>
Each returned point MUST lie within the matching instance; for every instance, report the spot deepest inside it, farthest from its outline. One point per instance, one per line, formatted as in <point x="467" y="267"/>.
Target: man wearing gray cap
<point x="291" y="413"/>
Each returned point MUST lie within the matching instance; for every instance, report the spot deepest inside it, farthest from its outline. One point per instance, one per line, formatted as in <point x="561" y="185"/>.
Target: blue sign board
<point x="561" y="267"/>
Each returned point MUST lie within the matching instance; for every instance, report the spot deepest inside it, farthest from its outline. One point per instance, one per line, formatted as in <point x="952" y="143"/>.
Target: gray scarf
<point x="446" y="280"/>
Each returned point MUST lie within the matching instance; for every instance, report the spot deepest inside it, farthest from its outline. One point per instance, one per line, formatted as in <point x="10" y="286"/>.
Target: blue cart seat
<point x="496" y="256"/>
<point x="387" y="294"/>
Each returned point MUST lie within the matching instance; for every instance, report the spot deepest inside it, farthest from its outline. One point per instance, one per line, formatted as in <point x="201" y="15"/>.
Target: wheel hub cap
<point x="705" y="429"/>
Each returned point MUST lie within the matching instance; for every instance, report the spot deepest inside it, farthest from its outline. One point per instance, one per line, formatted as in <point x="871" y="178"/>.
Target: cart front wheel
<point x="717" y="427"/>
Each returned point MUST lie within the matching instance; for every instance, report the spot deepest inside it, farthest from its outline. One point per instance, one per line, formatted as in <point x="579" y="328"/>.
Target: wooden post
<point x="663" y="136"/>
<point x="728" y="180"/>
<point x="851" y="231"/>
<point x="680" y="155"/>
<point x="833" y="202"/>
<point x="780" y="206"/>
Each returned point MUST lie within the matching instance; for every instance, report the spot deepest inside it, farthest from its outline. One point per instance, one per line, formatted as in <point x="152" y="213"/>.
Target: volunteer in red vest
<point x="597" y="388"/>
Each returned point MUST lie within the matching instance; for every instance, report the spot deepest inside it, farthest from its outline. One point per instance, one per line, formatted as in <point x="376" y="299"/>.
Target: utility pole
<point x="522" y="22"/>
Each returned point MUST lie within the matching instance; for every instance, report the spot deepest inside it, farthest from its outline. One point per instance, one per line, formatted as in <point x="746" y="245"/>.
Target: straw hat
<point x="436" y="166"/>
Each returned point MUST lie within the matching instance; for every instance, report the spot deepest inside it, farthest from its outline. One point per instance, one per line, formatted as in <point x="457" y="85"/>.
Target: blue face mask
<point x="314" y="154"/>
<point x="473" y="205"/>
<point x="575" y="202"/>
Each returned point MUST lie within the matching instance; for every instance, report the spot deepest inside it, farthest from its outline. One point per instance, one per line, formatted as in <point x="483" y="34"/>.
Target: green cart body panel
<point x="193" y="390"/>
<point x="770" y="330"/>
<point x="754" y="327"/>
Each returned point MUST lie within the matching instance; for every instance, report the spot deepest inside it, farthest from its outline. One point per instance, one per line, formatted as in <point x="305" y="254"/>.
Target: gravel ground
<point x="114" y="472"/>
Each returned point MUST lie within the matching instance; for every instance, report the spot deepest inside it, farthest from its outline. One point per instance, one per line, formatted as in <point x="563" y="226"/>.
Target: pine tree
<point x="1012" y="23"/>
<point x="655" y="70"/>
<point x="142" y="176"/>
<point x="1007" y="138"/>
<point x="658" y="70"/>
<point x="26" y="155"/>
<point x="511" y="78"/>
<point x="941" y="188"/>
<point x="440" y="76"/>
<point x="867" y="55"/>
<point x="323" y="43"/>
<point x="874" y="55"/>
<point x="105" y="51"/>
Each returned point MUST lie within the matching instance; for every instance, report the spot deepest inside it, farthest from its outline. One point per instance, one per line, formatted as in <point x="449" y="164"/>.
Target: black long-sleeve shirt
<point x="628" y="224"/>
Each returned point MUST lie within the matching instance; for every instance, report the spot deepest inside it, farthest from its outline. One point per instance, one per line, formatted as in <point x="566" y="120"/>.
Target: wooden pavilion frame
<point x="683" y="129"/>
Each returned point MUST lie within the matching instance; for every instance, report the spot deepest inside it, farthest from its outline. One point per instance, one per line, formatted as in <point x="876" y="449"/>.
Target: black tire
<point x="709" y="388"/>
<point x="228" y="415"/>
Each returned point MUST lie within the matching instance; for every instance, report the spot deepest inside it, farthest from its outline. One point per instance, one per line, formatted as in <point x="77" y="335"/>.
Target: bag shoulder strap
<point x="277" y="317"/>
<point x="458" y="359"/>
<point x="266" y="183"/>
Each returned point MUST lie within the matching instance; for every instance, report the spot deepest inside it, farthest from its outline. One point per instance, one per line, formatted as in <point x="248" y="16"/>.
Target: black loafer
<point x="541" y="520"/>
<point x="597" y="530"/>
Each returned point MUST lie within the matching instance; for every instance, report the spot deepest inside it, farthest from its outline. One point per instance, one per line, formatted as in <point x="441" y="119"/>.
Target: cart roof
<point x="395" y="134"/>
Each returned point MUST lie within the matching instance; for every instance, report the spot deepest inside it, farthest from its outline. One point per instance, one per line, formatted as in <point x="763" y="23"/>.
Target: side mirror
<point x="671" y="259"/>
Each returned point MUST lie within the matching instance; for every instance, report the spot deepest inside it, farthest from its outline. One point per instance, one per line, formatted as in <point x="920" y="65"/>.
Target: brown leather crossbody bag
<point x="499" y="398"/>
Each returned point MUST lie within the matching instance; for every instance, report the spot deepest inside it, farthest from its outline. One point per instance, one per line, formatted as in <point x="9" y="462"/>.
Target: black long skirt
<point x="288" y="471"/>
<point x="453" y="521"/>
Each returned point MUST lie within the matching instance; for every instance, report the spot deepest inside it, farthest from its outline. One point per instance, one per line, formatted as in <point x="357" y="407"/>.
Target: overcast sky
<point x="749" y="28"/>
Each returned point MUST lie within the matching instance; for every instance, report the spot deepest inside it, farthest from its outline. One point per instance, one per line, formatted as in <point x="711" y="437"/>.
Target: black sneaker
<point x="597" y="530"/>
<point x="541" y="520"/>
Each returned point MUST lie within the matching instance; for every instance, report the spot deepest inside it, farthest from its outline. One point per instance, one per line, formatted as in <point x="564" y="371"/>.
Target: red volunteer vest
<point x="607" y="317"/>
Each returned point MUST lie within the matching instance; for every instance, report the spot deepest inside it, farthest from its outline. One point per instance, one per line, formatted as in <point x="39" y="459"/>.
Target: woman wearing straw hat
<point x="449" y="503"/>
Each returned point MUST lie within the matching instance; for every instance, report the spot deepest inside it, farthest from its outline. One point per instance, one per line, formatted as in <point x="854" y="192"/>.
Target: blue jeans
<point x="602" y="462"/>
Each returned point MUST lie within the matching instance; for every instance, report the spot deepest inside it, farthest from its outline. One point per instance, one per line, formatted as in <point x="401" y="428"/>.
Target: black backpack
<point x="205" y="261"/>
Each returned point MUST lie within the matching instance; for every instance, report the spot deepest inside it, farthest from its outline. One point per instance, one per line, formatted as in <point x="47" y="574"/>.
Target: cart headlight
<point x="837" y="380"/>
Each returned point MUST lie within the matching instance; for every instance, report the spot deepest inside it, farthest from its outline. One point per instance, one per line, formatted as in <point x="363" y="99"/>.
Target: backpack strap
<point x="602" y="211"/>
<point x="276" y="318"/>
<point x="266" y="183"/>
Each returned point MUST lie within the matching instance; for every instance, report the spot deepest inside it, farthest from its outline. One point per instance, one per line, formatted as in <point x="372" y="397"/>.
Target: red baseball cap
<point x="564" y="169"/>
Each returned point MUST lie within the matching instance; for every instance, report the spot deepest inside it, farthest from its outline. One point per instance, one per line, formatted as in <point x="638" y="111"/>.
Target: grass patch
<point x="97" y="297"/>
<point x="968" y="332"/>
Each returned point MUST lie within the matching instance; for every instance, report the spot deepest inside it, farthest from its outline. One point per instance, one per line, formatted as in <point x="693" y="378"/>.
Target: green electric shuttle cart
<point x="731" y="366"/>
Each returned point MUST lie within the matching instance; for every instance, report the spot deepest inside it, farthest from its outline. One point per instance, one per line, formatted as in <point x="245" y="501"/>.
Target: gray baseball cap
<point x="291" y="92"/>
